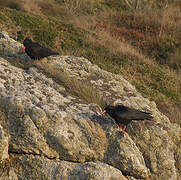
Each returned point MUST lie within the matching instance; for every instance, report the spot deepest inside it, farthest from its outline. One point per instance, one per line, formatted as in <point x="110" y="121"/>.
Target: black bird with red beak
<point x="124" y="115"/>
<point x="35" y="50"/>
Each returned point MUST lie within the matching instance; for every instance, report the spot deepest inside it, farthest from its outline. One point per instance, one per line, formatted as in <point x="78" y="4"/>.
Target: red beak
<point x="24" y="49"/>
<point x="103" y="112"/>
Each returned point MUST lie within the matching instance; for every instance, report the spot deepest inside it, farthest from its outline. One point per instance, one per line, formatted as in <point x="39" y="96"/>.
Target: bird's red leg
<point x="103" y="112"/>
<point x="121" y="129"/>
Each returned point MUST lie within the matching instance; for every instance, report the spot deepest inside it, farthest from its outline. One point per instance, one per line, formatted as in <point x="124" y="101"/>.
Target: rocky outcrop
<point x="51" y="126"/>
<point x="11" y="48"/>
<point x="36" y="167"/>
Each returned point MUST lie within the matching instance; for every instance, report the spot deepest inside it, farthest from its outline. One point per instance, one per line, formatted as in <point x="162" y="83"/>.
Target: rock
<point x="123" y="154"/>
<point x="51" y="116"/>
<point x="4" y="143"/>
<point x="10" y="175"/>
<point x="157" y="148"/>
<point x="4" y="35"/>
<point x="178" y="159"/>
<point x="9" y="48"/>
<point x="43" y="168"/>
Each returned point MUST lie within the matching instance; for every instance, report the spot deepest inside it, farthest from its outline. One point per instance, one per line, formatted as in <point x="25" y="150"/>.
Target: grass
<point x="73" y="85"/>
<point x="142" y="44"/>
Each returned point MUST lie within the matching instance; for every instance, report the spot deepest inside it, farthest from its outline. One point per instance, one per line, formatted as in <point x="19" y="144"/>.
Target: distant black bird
<point x="36" y="51"/>
<point x="124" y="115"/>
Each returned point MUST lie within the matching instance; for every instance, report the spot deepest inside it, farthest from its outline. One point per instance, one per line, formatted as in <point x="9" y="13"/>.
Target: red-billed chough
<point x="124" y="115"/>
<point x="35" y="50"/>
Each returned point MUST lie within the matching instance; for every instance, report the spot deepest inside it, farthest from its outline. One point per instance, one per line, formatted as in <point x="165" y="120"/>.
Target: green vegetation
<point x="140" y="41"/>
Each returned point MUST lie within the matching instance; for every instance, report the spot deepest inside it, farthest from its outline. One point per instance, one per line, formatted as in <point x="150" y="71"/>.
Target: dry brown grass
<point x="35" y="7"/>
<point x="105" y="38"/>
<point x="166" y="18"/>
<point x="73" y="85"/>
<point x="31" y="6"/>
<point x="117" y="46"/>
<point x="154" y="34"/>
<point x="16" y="4"/>
<point x="68" y="9"/>
<point x="172" y="112"/>
<point x="175" y="59"/>
<point x="174" y="115"/>
<point x="75" y="6"/>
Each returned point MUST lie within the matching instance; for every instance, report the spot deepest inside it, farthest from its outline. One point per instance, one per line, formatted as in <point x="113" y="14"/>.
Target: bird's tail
<point x="148" y="116"/>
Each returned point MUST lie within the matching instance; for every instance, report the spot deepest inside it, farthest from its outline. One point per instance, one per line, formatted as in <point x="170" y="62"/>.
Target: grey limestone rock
<point x="43" y="168"/>
<point x="48" y="132"/>
<point x="4" y="144"/>
<point x="9" y="48"/>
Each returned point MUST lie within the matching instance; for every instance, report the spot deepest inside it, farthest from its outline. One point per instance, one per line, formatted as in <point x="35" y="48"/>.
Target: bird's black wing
<point x="36" y="51"/>
<point x="133" y="114"/>
<point x="32" y="50"/>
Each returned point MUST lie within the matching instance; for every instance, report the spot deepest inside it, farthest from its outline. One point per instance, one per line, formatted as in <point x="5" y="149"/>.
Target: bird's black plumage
<point x="124" y="115"/>
<point x="36" y="51"/>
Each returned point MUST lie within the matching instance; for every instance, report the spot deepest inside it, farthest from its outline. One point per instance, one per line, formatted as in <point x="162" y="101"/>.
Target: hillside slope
<point x="141" y="46"/>
<point x="51" y="126"/>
